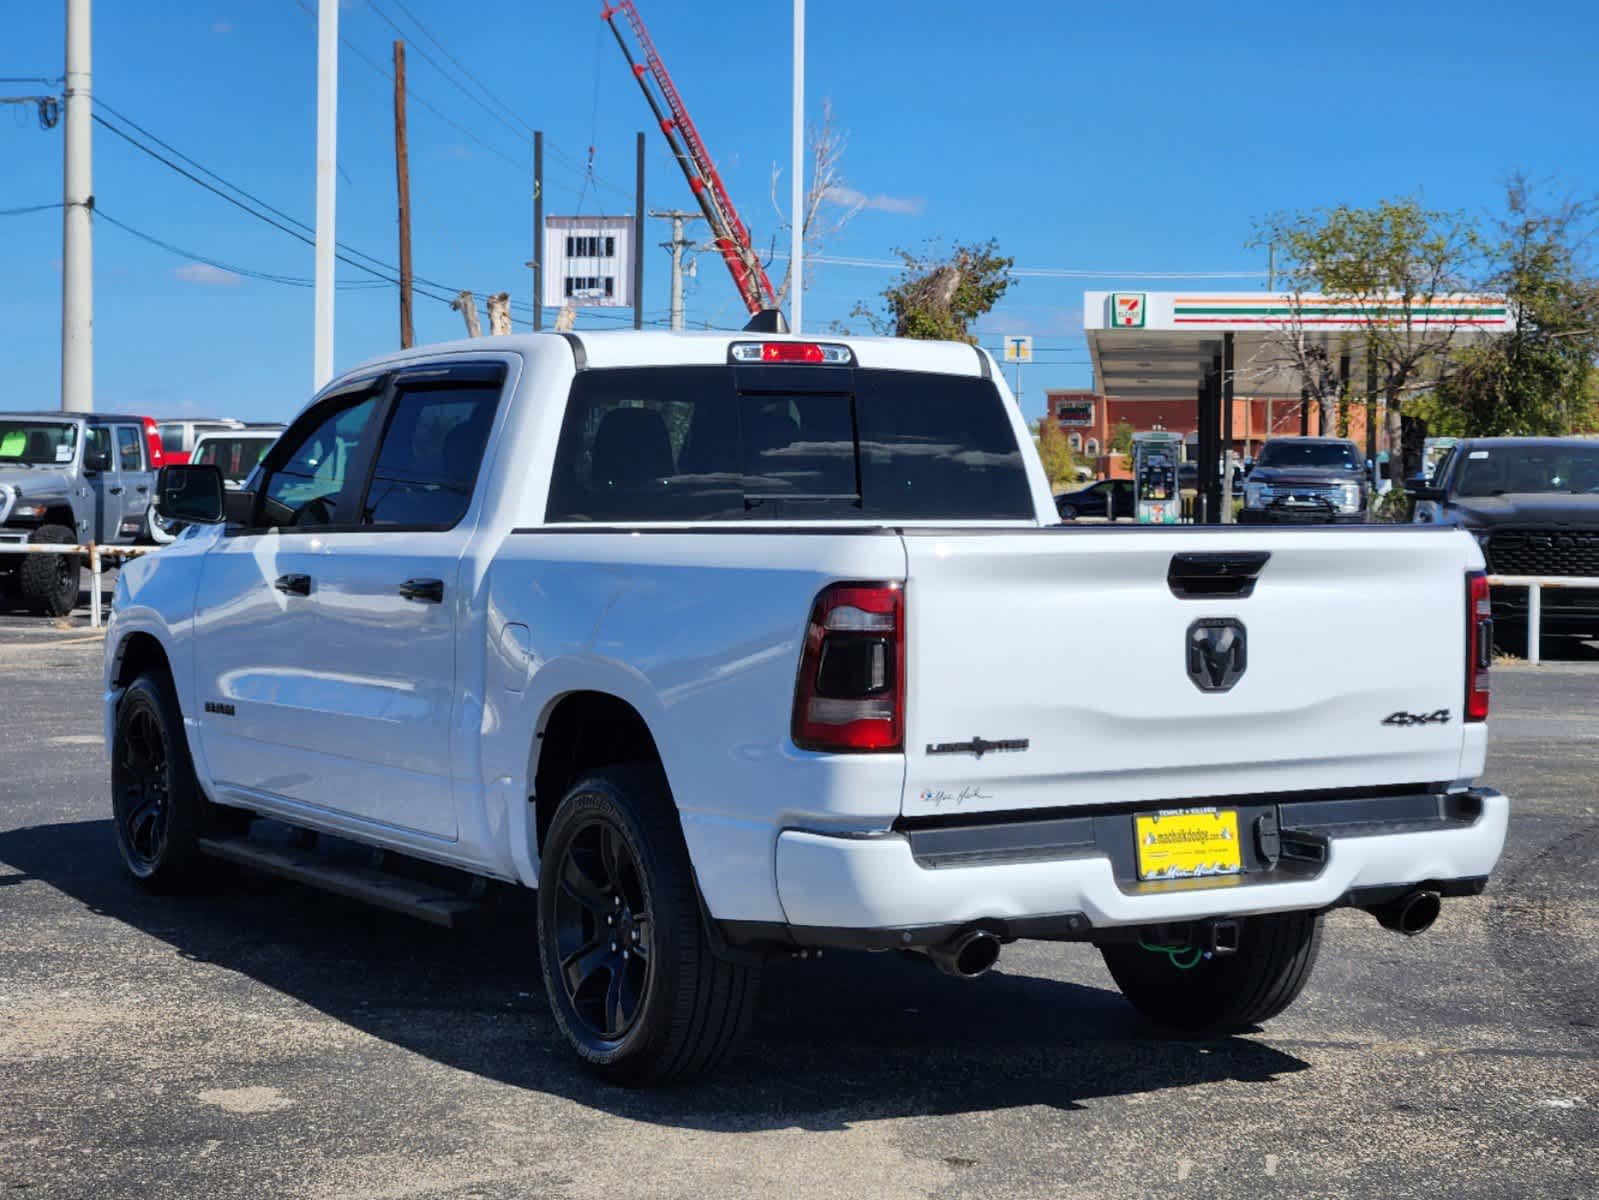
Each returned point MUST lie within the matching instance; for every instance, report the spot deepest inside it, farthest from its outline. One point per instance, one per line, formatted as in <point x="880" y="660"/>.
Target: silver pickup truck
<point x="67" y="478"/>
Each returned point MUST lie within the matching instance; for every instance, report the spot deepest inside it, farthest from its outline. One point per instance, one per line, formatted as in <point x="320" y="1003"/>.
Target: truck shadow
<point x="846" y="1038"/>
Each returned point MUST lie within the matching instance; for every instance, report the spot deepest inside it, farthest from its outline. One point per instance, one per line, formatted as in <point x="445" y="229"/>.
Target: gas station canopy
<point x="1158" y="345"/>
<point x="1215" y="346"/>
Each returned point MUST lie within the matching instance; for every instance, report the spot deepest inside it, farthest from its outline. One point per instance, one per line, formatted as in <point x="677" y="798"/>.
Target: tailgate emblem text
<point x="979" y="746"/>
<point x="1217" y="653"/>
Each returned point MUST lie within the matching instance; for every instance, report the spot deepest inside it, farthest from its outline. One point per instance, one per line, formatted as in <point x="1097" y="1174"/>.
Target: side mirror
<point x="1420" y="489"/>
<point x="191" y="494"/>
<point x="96" y="460"/>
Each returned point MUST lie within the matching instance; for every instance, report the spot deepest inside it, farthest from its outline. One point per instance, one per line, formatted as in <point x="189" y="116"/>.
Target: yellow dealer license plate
<point x="1188" y="843"/>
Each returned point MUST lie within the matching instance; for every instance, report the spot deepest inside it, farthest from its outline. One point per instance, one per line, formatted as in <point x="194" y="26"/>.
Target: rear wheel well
<point x="584" y="732"/>
<point x="140" y="652"/>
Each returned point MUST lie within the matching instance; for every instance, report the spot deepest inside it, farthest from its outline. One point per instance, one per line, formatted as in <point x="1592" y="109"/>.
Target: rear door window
<point x="130" y="447"/>
<point x="235" y="457"/>
<point x="785" y="443"/>
<point x="428" y="462"/>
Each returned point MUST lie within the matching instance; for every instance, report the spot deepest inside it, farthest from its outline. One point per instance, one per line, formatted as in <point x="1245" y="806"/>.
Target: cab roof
<point x="607" y="348"/>
<point x="93" y="418"/>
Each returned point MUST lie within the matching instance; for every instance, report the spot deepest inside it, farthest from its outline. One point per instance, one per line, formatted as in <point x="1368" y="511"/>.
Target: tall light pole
<point x="327" y="157"/>
<point x="796" y="203"/>
<point x="77" y="223"/>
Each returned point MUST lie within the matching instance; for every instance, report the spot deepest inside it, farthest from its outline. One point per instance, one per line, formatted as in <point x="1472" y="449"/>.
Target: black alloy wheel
<point x="634" y="983"/>
<point x="141" y="790"/>
<point x="603" y="931"/>
<point x="158" y="811"/>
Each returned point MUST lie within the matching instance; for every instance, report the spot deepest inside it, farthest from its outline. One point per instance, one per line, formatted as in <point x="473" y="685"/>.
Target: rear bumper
<point x="1053" y="879"/>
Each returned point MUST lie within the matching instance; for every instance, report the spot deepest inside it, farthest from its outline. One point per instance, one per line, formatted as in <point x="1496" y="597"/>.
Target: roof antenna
<point x="768" y="320"/>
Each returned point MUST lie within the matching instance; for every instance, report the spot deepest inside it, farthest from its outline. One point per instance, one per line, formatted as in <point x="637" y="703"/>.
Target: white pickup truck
<point x="734" y="645"/>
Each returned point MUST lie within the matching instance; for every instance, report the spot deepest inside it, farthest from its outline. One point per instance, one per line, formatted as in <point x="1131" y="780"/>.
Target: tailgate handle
<point x="1203" y="576"/>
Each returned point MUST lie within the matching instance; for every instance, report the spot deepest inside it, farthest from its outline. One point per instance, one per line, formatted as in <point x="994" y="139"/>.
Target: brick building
<point x="1089" y="420"/>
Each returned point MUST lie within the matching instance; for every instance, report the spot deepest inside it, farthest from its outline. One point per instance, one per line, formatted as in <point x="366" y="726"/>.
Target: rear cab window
<point x="785" y="443"/>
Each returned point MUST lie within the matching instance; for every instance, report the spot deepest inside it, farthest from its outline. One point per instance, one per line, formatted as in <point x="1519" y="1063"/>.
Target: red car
<point x="152" y="439"/>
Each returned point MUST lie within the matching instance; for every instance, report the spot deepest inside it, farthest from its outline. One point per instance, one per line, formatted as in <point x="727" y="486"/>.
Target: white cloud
<point x="207" y="275"/>
<point x="903" y="206"/>
<point x="222" y="27"/>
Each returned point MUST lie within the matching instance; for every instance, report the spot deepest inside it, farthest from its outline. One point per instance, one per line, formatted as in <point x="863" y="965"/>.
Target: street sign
<point x="1127" y="310"/>
<point x="1019" y="348"/>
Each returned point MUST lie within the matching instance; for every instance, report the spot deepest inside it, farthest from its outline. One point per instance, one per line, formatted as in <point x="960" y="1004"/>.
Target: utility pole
<point x="677" y="245"/>
<point x="327" y="157"/>
<point x="538" y="230"/>
<point x="796" y="203"/>
<point x="77" y="222"/>
<point x="402" y="179"/>
<point x="638" y="233"/>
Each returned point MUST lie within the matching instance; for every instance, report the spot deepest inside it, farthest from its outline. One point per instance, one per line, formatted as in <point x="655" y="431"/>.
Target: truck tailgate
<point x="1071" y="652"/>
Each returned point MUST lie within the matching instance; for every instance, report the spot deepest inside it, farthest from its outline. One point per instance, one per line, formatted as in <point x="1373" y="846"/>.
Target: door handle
<point x="293" y="585"/>
<point x="116" y="491"/>
<point x="427" y="591"/>
<point x="141" y="488"/>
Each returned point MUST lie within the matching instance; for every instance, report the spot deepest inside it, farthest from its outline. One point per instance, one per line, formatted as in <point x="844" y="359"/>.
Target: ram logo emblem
<point x="1218" y="653"/>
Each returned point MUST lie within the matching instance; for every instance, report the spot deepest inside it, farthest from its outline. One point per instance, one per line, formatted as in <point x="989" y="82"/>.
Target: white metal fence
<point x="95" y="555"/>
<point x="1535" y="585"/>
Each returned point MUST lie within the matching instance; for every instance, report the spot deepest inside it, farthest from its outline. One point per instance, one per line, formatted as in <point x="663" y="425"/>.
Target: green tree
<point x="1121" y="438"/>
<point x="941" y="295"/>
<point x="1393" y="260"/>
<point x="1539" y="378"/>
<point x="1060" y="461"/>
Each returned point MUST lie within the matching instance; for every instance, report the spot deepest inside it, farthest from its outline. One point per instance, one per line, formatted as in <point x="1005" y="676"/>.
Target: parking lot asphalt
<point x="271" y="1041"/>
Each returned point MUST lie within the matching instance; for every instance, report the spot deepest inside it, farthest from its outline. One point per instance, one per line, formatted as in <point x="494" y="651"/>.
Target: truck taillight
<point x="850" y="695"/>
<point x="1479" y="645"/>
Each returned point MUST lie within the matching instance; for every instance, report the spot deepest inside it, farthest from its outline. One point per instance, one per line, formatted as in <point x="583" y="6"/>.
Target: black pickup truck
<point x="1533" y="505"/>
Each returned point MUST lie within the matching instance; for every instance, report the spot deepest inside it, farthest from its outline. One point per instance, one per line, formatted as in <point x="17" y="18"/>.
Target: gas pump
<point x="1155" y="458"/>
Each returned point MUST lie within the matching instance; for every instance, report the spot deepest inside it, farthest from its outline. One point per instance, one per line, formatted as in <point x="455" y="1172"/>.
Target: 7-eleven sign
<point x="1127" y="310"/>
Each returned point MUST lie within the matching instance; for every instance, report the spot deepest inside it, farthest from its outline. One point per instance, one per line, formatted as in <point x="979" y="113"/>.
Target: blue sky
<point x="1108" y="137"/>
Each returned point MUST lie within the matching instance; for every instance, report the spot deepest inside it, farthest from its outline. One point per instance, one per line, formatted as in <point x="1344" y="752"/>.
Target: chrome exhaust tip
<point x="967" y="956"/>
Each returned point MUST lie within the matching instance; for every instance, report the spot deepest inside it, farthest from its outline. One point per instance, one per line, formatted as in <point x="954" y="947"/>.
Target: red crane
<point x="728" y="232"/>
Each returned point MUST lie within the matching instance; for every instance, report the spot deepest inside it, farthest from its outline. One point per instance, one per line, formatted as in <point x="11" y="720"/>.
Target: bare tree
<point x="1293" y="348"/>
<point x="827" y="189"/>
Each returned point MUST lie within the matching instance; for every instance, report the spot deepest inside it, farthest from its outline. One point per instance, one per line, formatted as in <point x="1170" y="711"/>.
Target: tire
<point x="157" y="806"/>
<point x="661" y="1006"/>
<point x="1068" y="513"/>
<point x="1228" y="992"/>
<point x="48" y="583"/>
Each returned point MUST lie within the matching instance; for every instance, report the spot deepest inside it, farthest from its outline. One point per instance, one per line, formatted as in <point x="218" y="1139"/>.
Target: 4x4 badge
<point x="1436" y="717"/>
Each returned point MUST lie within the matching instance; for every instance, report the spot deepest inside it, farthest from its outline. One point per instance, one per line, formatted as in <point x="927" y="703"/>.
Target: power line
<point x="883" y="264"/>
<point x="461" y="87"/>
<point x="561" y="157"/>
<point x="388" y="275"/>
<point x="30" y="208"/>
<point x="232" y="268"/>
<point x="521" y="168"/>
<point x="242" y="191"/>
<point x="385" y="271"/>
<point x="464" y="69"/>
<point x="346" y="258"/>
